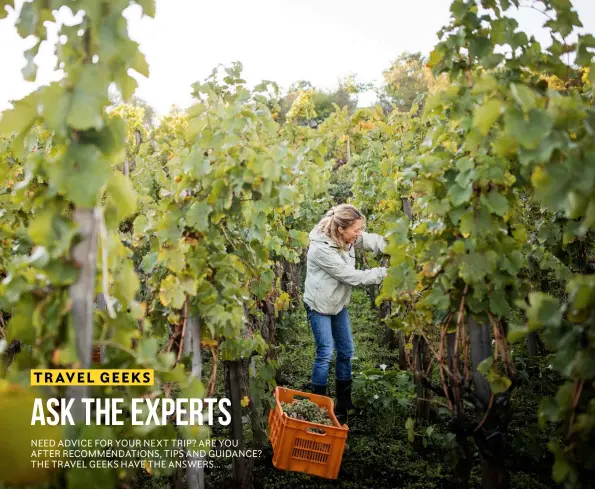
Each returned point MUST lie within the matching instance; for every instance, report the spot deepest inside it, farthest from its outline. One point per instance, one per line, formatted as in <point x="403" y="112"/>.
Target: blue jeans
<point x="330" y="332"/>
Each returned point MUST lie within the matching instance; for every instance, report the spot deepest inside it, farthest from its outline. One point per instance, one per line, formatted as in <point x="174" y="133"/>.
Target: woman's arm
<point x="330" y="261"/>
<point x="371" y="242"/>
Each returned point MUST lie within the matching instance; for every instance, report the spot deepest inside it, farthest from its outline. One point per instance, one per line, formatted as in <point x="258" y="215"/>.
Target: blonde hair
<point x="343" y="215"/>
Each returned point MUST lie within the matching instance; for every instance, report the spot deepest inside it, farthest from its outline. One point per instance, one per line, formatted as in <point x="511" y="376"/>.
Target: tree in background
<point x="406" y="79"/>
<point x="323" y="101"/>
<point x="149" y="114"/>
<point x="302" y="111"/>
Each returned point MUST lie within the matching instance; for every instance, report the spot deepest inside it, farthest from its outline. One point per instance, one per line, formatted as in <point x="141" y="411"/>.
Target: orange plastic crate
<point x="295" y="448"/>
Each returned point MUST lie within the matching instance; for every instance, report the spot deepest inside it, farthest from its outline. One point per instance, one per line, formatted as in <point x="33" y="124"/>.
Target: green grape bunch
<point x="306" y="410"/>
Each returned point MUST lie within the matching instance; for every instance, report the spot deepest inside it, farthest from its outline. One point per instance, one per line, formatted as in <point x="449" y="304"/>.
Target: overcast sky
<point x="281" y="40"/>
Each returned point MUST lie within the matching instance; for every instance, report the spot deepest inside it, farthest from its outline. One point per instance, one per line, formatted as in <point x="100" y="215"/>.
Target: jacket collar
<point x="318" y="236"/>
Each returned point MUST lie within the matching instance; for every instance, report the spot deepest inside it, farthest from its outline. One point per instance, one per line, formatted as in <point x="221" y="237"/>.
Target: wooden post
<point x="481" y="348"/>
<point x="491" y="439"/>
<point x="407" y="207"/>
<point x="195" y="475"/>
<point x="420" y="364"/>
<point x="242" y="467"/>
<point x="82" y="293"/>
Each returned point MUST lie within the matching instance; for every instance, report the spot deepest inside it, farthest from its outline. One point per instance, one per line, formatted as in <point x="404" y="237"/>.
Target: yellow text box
<point x="84" y="376"/>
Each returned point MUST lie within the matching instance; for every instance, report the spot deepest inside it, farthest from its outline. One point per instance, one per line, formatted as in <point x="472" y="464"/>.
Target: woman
<point x="330" y="275"/>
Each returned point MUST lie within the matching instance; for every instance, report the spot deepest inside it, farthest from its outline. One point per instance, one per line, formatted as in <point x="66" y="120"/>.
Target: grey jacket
<point x="331" y="271"/>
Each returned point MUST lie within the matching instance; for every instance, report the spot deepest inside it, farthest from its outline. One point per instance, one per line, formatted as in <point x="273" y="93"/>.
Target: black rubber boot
<point x="319" y="389"/>
<point x="344" y="403"/>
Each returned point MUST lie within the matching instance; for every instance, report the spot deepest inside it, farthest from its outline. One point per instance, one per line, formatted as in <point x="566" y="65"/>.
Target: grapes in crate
<point x="306" y="410"/>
